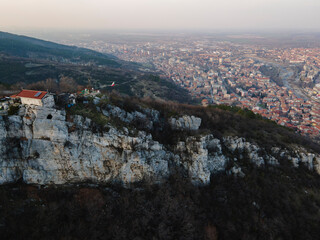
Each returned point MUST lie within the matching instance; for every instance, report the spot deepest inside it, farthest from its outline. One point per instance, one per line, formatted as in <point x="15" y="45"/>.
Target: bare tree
<point x="41" y="85"/>
<point x="68" y="84"/>
<point x="52" y="85"/>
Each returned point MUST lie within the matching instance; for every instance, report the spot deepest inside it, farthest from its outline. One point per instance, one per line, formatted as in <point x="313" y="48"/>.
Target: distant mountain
<point x="27" y="47"/>
<point x="25" y="60"/>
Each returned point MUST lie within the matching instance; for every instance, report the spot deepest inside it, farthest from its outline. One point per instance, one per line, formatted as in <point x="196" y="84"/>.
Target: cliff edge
<point x="45" y="145"/>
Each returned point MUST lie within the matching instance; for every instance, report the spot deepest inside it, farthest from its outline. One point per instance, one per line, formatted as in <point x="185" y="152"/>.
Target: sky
<point x="159" y="14"/>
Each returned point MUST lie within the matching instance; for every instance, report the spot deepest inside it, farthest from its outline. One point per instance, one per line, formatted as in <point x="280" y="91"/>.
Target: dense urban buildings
<point x="281" y="84"/>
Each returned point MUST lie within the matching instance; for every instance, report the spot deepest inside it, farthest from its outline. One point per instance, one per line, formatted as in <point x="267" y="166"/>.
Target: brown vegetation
<point x="220" y="122"/>
<point x="275" y="203"/>
<point x="64" y="84"/>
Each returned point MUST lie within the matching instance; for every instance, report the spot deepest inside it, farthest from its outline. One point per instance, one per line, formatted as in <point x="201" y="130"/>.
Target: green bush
<point x="241" y="111"/>
<point x="88" y="111"/>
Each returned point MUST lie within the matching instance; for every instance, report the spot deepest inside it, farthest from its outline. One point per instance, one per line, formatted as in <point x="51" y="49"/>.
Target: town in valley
<point x="281" y="83"/>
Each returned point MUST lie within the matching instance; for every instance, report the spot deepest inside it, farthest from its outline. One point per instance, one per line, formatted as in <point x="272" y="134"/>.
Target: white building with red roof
<point x="38" y="98"/>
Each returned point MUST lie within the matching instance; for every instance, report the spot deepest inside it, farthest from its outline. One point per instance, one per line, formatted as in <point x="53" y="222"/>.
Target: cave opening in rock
<point x="49" y="116"/>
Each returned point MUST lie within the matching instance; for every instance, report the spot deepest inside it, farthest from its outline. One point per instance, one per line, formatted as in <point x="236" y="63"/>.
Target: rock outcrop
<point x="185" y="123"/>
<point x="40" y="146"/>
<point x="47" y="150"/>
<point x="148" y="116"/>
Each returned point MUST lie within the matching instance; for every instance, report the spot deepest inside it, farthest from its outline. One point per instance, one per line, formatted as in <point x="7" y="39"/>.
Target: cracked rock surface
<point x="51" y="150"/>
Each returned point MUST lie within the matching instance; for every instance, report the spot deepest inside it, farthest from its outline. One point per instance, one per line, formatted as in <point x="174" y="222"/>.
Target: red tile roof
<point x="31" y="94"/>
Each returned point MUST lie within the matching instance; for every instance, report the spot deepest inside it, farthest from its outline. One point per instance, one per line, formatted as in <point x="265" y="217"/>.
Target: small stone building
<point x="38" y="98"/>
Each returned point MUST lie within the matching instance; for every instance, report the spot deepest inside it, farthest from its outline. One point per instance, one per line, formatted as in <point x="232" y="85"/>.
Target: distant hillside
<point x="27" y="47"/>
<point x="25" y="60"/>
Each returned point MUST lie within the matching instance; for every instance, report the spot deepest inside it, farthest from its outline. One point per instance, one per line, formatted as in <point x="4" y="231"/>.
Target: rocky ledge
<point x="40" y="146"/>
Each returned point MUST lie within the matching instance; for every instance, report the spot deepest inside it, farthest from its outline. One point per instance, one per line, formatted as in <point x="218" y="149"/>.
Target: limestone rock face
<point x="302" y="156"/>
<point x="236" y="171"/>
<point x="242" y="146"/>
<point x="48" y="101"/>
<point x="185" y="123"/>
<point x="40" y="146"/>
<point x="148" y="117"/>
<point x="201" y="157"/>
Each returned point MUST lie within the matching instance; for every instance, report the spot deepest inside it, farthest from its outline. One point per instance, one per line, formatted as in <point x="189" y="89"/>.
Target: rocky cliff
<point x="41" y="145"/>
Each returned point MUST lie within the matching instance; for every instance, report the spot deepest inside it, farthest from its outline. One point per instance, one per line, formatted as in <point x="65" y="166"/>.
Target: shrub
<point x="260" y="204"/>
<point x="88" y="111"/>
<point x="13" y="110"/>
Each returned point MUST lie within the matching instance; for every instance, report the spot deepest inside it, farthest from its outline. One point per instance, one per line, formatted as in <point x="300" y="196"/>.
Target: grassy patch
<point x="88" y="111"/>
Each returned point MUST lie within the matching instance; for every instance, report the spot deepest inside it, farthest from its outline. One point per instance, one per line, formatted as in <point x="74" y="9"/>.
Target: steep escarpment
<point x="43" y="145"/>
<point x="45" y="151"/>
<point x="116" y="168"/>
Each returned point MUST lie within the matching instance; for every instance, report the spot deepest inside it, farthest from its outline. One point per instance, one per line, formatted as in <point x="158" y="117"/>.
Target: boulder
<point x="185" y="123"/>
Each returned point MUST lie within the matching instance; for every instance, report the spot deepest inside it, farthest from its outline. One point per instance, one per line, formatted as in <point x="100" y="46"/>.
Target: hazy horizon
<point x="170" y="15"/>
